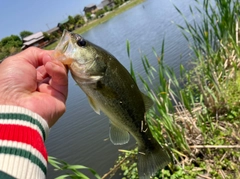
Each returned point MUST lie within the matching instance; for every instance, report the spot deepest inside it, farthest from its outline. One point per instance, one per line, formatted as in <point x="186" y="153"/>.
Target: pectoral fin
<point x="118" y="136"/>
<point x="94" y="105"/>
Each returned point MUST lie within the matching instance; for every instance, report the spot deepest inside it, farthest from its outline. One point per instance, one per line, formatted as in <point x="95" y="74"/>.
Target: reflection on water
<point x="81" y="136"/>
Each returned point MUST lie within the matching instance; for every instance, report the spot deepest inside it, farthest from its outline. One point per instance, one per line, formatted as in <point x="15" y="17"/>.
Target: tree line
<point x="12" y="44"/>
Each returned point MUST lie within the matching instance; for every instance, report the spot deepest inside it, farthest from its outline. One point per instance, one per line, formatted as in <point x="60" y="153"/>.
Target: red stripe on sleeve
<point x="23" y="134"/>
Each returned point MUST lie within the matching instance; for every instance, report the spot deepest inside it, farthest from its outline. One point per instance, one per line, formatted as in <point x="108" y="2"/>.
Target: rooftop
<point x="33" y="36"/>
<point x="90" y="5"/>
<point x="52" y="30"/>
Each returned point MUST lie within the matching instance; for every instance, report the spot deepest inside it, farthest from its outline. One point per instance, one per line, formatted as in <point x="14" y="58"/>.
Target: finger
<point x="56" y="70"/>
<point x="45" y="80"/>
<point x="33" y="56"/>
<point x="45" y="88"/>
<point x="59" y="79"/>
<point x="41" y="73"/>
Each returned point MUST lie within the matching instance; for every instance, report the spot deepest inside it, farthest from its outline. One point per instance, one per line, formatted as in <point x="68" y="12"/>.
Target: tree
<point x="71" y="20"/>
<point x="118" y="3"/>
<point x="11" y="41"/>
<point x="46" y="36"/>
<point x="63" y="26"/>
<point x="106" y="9"/>
<point x="10" y="45"/>
<point x="78" y="17"/>
<point x="79" y="21"/>
<point x="54" y="36"/>
<point x="100" y="12"/>
<point x="25" y="33"/>
<point x="88" y="15"/>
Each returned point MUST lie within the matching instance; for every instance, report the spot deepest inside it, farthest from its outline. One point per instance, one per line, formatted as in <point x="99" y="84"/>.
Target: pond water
<point x="81" y="136"/>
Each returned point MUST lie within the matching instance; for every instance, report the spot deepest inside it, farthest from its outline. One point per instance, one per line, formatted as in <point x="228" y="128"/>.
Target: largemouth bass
<point x="111" y="89"/>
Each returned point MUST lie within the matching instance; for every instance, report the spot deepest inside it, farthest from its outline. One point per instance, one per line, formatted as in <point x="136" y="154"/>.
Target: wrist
<point x="22" y="135"/>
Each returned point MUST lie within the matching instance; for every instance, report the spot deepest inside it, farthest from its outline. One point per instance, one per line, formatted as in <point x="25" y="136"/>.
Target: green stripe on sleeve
<point x="23" y="117"/>
<point x="4" y="175"/>
<point x="26" y="154"/>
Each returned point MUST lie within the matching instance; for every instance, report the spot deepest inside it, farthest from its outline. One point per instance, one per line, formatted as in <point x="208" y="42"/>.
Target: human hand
<point x="34" y="80"/>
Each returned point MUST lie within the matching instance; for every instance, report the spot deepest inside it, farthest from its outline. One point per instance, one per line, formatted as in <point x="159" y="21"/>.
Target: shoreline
<point x="108" y="16"/>
<point x="96" y="22"/>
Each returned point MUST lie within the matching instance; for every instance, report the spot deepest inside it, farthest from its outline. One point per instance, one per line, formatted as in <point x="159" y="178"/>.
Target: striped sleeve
<point x="22" y="150"/>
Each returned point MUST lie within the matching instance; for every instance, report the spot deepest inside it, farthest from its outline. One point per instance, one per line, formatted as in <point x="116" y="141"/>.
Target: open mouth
<point x="64" y="49"/>
<point x="64" y="42"/>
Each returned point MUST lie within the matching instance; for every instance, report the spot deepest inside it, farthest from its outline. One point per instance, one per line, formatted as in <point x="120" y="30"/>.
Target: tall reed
<point x="186" y="115"/>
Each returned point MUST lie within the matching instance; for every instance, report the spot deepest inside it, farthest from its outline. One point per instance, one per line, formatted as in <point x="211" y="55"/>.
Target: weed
<point x="198" y="121"/>
<point x="72" y="171"/>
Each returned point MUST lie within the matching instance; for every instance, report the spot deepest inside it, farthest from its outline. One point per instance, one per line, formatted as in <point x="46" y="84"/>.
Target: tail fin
<point x="151" y="160"/>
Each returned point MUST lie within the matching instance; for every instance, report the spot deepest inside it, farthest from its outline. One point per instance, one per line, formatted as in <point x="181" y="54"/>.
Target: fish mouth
<point x="64" y="42"/>
<point x="65" y="47"/>
<point x="67" y="50"/>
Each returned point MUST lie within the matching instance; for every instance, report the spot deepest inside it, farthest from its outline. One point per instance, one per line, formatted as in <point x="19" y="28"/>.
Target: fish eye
<point x="81" y="42"/>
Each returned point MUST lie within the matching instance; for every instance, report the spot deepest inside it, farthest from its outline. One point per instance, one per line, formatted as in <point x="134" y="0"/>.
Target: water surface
<point x="81" y="136"/>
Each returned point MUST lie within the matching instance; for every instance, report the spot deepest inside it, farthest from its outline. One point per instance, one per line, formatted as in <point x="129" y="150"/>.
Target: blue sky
<point x="37" y="15"/>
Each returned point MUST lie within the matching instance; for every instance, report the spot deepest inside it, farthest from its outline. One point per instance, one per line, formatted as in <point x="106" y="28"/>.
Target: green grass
<point x="196" y="115"/>
<point x="199" y="122"/>
<point x="72" y="171"/>
<point x="51" y="46"/>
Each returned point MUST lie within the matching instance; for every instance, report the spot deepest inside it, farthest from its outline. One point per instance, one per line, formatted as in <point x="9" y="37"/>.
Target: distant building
<point x="36" y="40"/>
<point x="55" y="29"/>
<point x="108" y="3"/>
<point x="90" y="8"/>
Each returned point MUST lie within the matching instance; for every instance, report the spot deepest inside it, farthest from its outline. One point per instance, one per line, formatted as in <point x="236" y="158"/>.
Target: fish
<point x="111" y="89"/>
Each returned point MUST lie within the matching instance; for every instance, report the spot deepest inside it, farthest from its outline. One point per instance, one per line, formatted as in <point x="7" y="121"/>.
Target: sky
<point x="37" y="15"/>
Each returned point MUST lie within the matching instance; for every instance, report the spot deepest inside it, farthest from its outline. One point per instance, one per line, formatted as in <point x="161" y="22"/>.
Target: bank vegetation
<point x="196" y="115"/>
